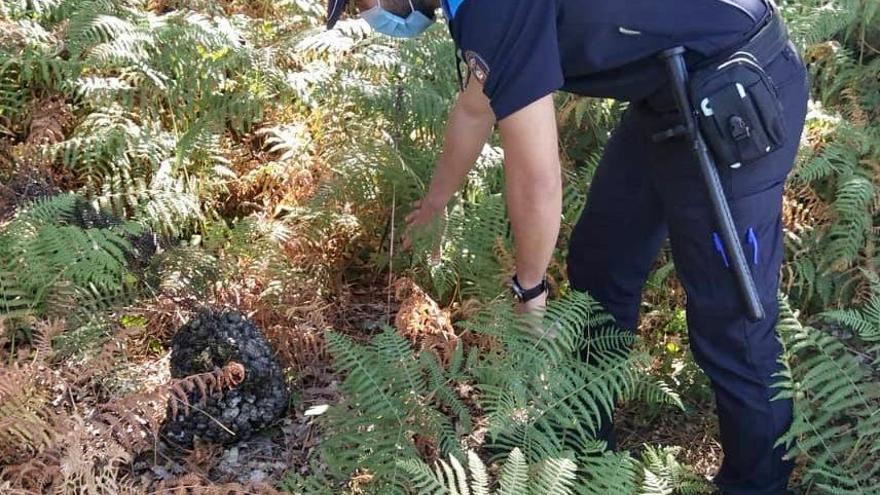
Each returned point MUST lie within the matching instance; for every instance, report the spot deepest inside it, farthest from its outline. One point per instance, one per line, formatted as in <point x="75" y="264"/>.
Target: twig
<point x="391" y="253"/>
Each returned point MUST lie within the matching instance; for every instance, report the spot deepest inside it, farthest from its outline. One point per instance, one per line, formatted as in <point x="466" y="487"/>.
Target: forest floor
<point x="292" y="445"/>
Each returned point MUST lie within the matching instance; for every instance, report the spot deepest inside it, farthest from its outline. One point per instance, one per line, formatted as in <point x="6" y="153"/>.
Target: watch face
<point x="517" y="290"/>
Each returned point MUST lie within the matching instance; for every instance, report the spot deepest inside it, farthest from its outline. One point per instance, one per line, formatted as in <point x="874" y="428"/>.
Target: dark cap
<point x="334" y="11"/>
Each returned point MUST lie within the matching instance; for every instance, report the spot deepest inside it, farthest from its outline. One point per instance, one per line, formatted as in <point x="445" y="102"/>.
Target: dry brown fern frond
<point x="33" y="177"/>
<point x="101" y="363"/>
<point x="203" y="457"/>
<point x="45" y="332"/>
<point x="192" y="484"/>
<point x="421" y="320"/>
<point x="132" y="422"/>
<point x="80" y="462"/>
<point x="299" y="348"/>
<point x="51" y="119"/>
<point x="84" y="459"/>
<point x="24" y="432"/>
<point x="87" y="455"/>
<point x="858" y="117"/>
<point x="7" y="489"/>
<point x="33" y="475"/>
<point x="205" y="385"/>
<point x="89" y="466"/>
<point x="803" y="209"/>
<point x="26" y="420"/>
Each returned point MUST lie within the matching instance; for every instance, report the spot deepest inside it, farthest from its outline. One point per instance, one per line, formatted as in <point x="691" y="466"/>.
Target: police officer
<point x="518" y="52"/>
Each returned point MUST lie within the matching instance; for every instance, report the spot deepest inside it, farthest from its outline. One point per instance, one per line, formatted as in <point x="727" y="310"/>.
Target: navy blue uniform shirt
<point x="522" y="50"/>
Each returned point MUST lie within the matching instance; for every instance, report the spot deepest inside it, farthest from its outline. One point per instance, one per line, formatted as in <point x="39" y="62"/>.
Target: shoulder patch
<point x="477" y="67"/>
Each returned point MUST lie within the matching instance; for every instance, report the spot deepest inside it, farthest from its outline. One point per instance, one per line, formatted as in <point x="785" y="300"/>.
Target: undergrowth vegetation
<point x="159" y="157"/>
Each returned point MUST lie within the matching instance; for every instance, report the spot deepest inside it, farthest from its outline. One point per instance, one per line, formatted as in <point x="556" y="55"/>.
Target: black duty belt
<point x="768" y="41"/>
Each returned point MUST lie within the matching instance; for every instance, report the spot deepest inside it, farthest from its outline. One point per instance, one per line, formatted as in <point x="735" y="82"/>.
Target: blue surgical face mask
<point x="393" y="25"/>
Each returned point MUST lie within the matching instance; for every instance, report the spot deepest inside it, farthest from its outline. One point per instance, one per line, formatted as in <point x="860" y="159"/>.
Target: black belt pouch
<point x="738" y="110"/>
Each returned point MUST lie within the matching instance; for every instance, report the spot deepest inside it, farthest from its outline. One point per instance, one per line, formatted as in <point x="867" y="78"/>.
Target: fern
<point x="478" y="232"/>
<point x="540" y="395"/>
<point x="389" y="400"/>
<point x="28" y="64"/>
<point x="830" y="257"/>
<point x="662" y="474"/>
<point x="813" y="21"/>
<point x="62" y="267"/>
<point x="607" y="472"/>
<point x="864" y="321"/>
<point x="826" y="258"/>
<point x="554" y="476"/>
<point x="157" y="93"/>
<point x="836" y="425"/>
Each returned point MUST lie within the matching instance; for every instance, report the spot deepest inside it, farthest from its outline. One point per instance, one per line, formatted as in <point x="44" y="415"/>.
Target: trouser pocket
<point x="702" y="259"/>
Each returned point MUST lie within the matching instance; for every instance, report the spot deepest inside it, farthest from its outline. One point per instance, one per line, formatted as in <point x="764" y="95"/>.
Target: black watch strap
<point x="526" y="295"/>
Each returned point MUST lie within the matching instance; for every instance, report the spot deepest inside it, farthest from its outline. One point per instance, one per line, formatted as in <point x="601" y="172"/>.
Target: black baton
<point x="678" y="76"/>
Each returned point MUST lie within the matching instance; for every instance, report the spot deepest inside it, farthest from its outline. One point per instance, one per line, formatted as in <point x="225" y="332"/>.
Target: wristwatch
<point x="526" y="295"/>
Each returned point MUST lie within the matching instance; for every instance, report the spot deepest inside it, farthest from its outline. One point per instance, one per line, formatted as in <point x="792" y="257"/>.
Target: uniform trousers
<point x="645" y="192"/>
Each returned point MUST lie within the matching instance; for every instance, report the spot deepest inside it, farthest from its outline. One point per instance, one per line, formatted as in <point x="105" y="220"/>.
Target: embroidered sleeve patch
<point x="477" y="67"/>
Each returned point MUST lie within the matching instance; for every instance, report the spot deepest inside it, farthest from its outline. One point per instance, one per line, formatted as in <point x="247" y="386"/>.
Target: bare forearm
<point x="534" y="209"/>
<point x="466" y="134"/>
<point x="470" y="124"/>
<point x="534" y="188"/>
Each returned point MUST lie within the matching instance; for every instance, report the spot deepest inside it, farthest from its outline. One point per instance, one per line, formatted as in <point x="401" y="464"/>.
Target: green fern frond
<point x="552" y="476"/>
<point x="439" y="383"/>
<point x="865" y="321"/>
<point x="662" y="474"/>
<point x="813" y="21"/>
<point x="836" y="425"/>
<point x="837" y="158"/>
<point x="852" y="205"/>
<point x="390" y="398"/>
<point x="540" y="395"/>
<point x="421" y="478"/>
<point x="514" y="476"/>
<point x="607" y="472"/>
<point x="555" y="476"/>
<point x="64" y="262"/>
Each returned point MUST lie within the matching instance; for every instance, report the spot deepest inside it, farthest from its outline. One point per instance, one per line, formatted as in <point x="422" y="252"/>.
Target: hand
<point x="425" y="211"/>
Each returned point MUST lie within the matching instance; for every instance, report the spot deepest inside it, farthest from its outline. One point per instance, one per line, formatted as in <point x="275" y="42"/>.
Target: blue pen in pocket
<point x="719" y="246"/>
<point x="752" y="239"/>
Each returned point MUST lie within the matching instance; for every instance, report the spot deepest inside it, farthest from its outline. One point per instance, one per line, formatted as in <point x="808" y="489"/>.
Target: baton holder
<point x="678" y="78"/>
